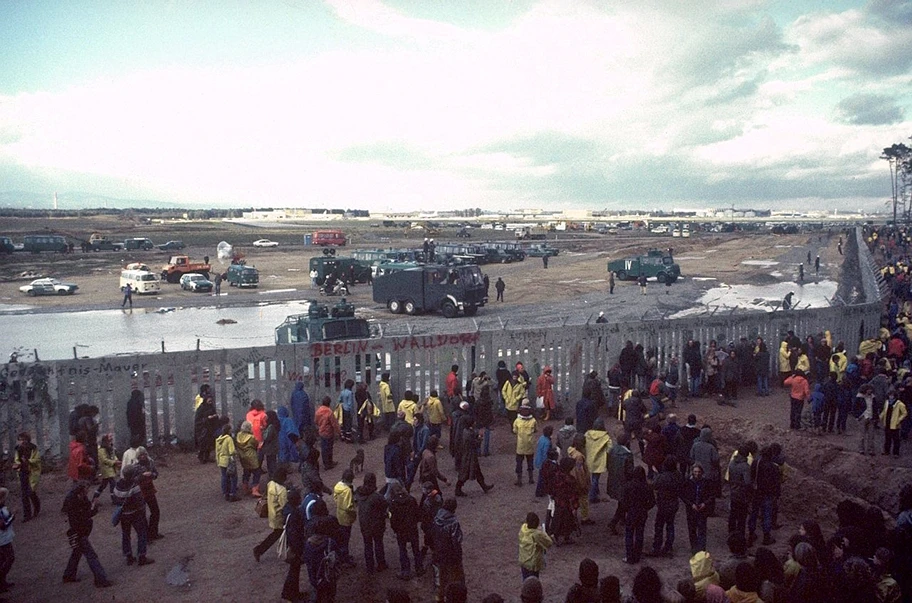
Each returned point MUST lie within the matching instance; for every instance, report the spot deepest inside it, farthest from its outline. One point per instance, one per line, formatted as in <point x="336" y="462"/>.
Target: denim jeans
<point x="694" y="383"/>
<point x="84" y="548"/>
<point x="326" y="451"/>
<point x="664" y="522"/>
<point x="137" y="522"/>
<point x="403" y="540"/>
<point x="373" y="551"/>
<point x="763" y="385"/>
<point x="633" y="540"/>
<point x="795" y="416"/>
<point x="30" y="503"/>
<point x="696" y="530"/>
<point x="345" y="533"/>
<point x="486" y="443"/>
<point x="763" y="508"/>
<point x="229" y="482"/>
<point x="594" y="487"/>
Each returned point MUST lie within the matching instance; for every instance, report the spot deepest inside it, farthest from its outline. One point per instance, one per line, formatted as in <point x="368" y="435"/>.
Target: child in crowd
<point x="565" y="435"/>
<point x="533" y="543"/>
<point x="28" y="463"/>
<point x="226" y="459"/>
<point x="435" y="414"/>
<point x="108" y="464"/>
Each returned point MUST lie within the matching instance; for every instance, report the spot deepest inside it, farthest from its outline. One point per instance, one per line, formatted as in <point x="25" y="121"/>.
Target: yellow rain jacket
<point x="598" y="443"/>
<point x="345" y="504"/>
<point x="784" y="365"/>
<point x="513" y="394"/>
<point x="525" y="428"/>
<point x="247" y="450"/>
<point x="703" y="572"/>
<point x="409" y="408"/>
<point x="804" y="364"/>
<point x="899" y="414"/>
<point x="107" y="463"/>
<point x="434" y="412"/>
<point x="838" y="365"/>
<point x="532" y="546"/>
<point x="276" y="498"/>
<point x="224" y="450"/>
<point x="386" y="398"/>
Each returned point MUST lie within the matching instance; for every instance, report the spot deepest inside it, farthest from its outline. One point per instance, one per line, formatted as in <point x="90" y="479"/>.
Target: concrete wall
<point x="420" y="363"/>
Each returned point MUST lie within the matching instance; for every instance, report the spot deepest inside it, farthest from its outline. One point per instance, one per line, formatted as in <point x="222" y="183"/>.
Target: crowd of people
<point x="623" y="427"/>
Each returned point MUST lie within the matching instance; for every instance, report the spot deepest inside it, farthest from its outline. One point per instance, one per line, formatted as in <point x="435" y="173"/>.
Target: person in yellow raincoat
<point x="247" y="454"/>
<point x="387" y="405"/>
<point x="785" y="367"/>
<point x="28" y="464"/>
<point x="226" y="459"/>
<point x="524" y="426"/>
<point x="533" y="543"/>
<point x="513" y="392"/>
<point x="597" y="445"/>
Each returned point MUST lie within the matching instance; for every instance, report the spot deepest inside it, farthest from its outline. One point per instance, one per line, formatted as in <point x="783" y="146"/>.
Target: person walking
<point x="217" y="281"/>
<point x="469" y="468"/>
<point x="545" y="260"/>
<point x="642" y="282"/>
<point x="79" y="512"/>
<point x="499" y="286"/>
<point x="446" y="539"/>
<point x="146" y="474"/>
<point x="128" y="296"/>
<point x="611" y="283"/>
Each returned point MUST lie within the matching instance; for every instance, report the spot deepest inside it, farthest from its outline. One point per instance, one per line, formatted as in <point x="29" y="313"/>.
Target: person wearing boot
<point x="525" y="427"/>
<point x="544" y="389"/>
<point x="469" y="468"/>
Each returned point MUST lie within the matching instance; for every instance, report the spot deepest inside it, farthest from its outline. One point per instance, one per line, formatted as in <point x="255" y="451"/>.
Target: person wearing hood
<point x="301" y="409"/>
<point x="785" y="365"/>
<point x="288" y="452"/>
<point x="703" y="573"/>
<point x="597" y="445"/>
<point x="525" y="427"/>
<point x="705" y="452"/>
<point x="404" y="518"/>
<point x="387" y="403"/>
<point x="513" y="392"/>
<point x="226" y="459"/>
<point x="372" y="511"/>
<point x="205" y="424"/>
<point x="565" y="435"/>
<point x="697" y="501"/>
<point x="446" y="539"/>
<point x="577" y="452"/>
<point x="247" y="455"/>
<point x="544" y="389"/>
<point x="533" y="544"/>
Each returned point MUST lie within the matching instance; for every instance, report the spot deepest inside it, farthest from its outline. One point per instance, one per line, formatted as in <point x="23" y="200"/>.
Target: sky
<point x="404" y="105"/>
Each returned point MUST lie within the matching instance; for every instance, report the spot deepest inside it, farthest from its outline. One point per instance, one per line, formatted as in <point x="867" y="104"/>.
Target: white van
<point x="143" y="281"/>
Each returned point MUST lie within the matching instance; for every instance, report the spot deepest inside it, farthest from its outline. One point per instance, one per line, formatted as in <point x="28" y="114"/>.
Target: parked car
<point x="195" y="282"/>
<point x="172" y="245"/>
<point x="48" y="286"/>
<point x="265" y="243"/>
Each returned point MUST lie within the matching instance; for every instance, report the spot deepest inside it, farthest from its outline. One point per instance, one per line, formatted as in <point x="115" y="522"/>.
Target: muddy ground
<point x="218" y="536"/>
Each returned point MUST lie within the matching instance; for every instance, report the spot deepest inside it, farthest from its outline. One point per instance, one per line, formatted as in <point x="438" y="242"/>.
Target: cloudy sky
<point x="412" y="104"/>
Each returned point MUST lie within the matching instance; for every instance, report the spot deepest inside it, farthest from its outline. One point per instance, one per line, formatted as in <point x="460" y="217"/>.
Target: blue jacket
<point x="347" y="399"/>
<point x="586" y="412"/>
<point x="301" y="409"/>
<point x="541" y="451"/>
<point x="287" y="451"/>
<point x="394" y="462"/>
<point x="817" y="399"/>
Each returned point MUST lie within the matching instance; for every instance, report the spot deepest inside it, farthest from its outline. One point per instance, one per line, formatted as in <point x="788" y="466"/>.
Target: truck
<point x="139" y="243"/>
<point x="531" y="233"/>
<point x="655" y="263"/>
<point x="240" y="274"/>
<point x="99" y="242"/>
<point x="432" y="287"/>
<point x="179" y="265"/>
<point x="349" y="268"/>
<point x="322" y="323"/>
<point x="326" y="238"/>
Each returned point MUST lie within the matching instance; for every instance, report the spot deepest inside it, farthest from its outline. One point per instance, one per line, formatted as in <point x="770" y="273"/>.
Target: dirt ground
<point x="578" y="273"/>
<point x="218" y="536"/>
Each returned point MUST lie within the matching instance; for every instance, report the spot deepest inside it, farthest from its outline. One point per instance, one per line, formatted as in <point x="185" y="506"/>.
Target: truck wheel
<point x="173" y="278"/>
<point x="622" y="276"/>
<point x="448" y="309"/>
<point x="470" y="310"/>
<point x="661" y="277"/>
<point x="410" y="308"/>
<point x="395" y="306"/>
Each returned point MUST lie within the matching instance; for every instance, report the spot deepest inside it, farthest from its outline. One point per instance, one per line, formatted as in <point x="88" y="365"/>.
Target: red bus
<point x="327" y="238"/>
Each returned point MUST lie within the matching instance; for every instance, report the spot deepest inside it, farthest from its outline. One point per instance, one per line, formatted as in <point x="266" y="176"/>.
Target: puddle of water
<point x="764" y="263"/>
<point x="108" y="332"/>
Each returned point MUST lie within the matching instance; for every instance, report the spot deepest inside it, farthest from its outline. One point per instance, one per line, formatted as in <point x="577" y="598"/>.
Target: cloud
<point x="869" y="109"/>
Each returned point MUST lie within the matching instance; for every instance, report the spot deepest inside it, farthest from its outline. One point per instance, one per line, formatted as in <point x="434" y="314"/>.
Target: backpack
<point x="330" y="567"/>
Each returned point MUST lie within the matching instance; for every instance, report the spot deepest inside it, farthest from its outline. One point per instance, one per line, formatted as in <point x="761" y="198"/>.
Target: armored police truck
<point x="655" y="263"/>
<point x="432" y="287"/>
<point x="322" y="323"/>
<point x="340" y="267"/>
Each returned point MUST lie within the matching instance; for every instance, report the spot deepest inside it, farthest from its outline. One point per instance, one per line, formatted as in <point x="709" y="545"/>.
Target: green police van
<point x="655" y="263"/>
